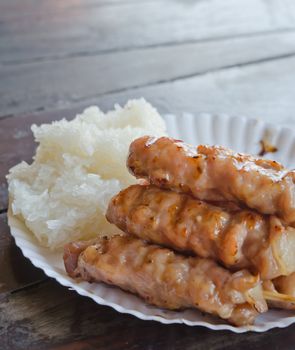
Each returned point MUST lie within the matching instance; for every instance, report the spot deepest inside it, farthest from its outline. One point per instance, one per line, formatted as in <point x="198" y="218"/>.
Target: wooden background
<point x="56" y="57"/>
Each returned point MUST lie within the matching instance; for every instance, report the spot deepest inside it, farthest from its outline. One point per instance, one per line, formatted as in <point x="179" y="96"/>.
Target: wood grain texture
<point x="54" y="29"/>
<point x="182" y="55"/>
<point x="48" y="316"/>
<point x="16" y="271"/>
<point x="263" y="91"/>
<point x="44" y="85"/>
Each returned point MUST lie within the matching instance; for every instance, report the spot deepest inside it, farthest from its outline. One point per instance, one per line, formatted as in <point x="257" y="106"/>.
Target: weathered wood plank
<point x="57" y="29"/>
<point x="261" y="91"/>
<point x="16" y="270"/>
<point x="43" y="85"/>
<point x="17" y="8"/>
<point x="14" y="8"/>
<point x="52" y="317"/>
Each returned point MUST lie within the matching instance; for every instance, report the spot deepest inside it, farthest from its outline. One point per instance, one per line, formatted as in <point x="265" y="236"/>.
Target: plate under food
<point x="240" y="134"/>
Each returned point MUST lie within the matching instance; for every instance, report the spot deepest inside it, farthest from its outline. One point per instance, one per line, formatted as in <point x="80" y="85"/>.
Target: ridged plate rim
<point x="179" y="127"/>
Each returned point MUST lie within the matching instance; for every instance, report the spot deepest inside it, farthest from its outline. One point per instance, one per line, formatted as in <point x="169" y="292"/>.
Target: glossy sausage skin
<point x="215" y="174"/>
<point x="237" y="238"/>
<point x="166" y="279"/>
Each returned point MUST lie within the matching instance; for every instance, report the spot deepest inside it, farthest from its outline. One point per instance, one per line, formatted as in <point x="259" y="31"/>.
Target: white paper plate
<point x="240" y="134"/>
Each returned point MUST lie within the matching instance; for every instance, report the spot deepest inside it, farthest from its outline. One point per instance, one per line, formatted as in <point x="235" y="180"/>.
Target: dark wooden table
<point x="233" y="56"/>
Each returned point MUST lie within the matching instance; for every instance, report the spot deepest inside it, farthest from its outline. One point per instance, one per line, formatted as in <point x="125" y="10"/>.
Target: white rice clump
<point x="79" y="165"/>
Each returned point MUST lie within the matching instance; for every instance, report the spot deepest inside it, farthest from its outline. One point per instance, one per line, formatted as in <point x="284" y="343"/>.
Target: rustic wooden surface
<point x="62" y="319"/>
<point x="16" y="271"/>
<point x="56" y="57"/>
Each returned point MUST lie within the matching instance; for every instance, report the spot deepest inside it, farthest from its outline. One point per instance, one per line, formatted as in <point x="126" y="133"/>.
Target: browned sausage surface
<point x="237" y="238"/>
<point x="214" y="174"/>
<point x="166" y="279"/>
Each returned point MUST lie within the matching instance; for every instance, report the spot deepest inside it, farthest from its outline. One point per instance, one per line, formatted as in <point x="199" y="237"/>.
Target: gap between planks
<point x="183" y="77"/>
<point x="117" y="73"/>
<point x="77" y="29"/>
<point x="168" y="44"/>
